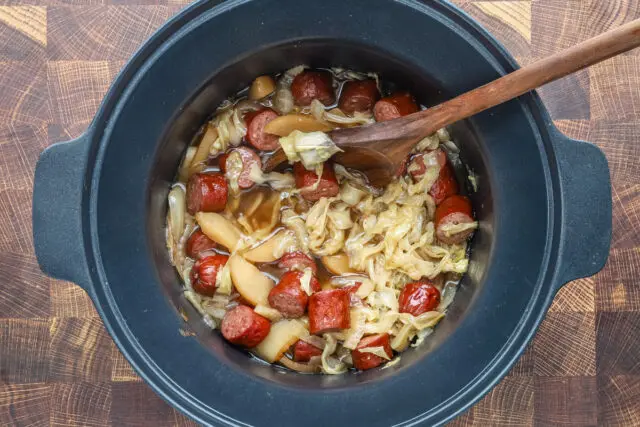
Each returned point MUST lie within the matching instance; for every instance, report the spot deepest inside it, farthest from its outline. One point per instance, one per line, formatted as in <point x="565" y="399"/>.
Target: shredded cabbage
<point x="331" y="365"/>
<point x="276" y="180"/>
<point x="305" y="281"/>
<point x="310" y="148"/>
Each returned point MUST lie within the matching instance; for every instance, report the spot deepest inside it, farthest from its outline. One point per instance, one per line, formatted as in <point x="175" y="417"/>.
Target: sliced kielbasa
<point x="256" y="136"/>
<point x="206" y="192"/>
<point x="243" y="326"/>
<point x="394" y="106"/>
<point x="364" y="360"/>
<point x="310" y="85"/>
<point x="205" y="272"/>
<point x="445" y="185"/>
<point x="419" y="297"/>
<point x="222" y="162"/>
<point x="288" y="297"/>
<point x="303" y="351"/>
<point x="239" y="163"/>
<point x="297" y="261"/>
<point x="358" y="95"/>
<point x="452" y="211"/>
<point x="329" y="311"/>
<point x="198" y="243"/>
<point x="306" y="180"/>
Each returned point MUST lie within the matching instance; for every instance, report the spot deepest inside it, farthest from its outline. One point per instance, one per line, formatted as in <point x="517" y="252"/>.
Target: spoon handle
<point x="582" y="55"/>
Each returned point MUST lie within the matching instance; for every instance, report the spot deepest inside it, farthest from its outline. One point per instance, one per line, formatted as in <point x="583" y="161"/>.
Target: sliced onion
<point x="177" y="208"/>
<point x="307" y="368"/>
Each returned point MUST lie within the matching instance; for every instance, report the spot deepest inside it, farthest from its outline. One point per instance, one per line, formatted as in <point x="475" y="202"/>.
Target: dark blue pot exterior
<point x="544" y="202"/>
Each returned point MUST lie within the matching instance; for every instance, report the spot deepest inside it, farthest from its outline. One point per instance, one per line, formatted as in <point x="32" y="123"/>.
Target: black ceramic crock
<point x="543" y="201"/>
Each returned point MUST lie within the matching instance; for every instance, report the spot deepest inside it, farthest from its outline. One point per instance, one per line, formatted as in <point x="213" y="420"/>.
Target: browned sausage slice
<point x="303" y="351"/>
<point x="204" y="273"/>
<point x="446" y="184"/>
<point x="243" y="326"/>
<point x="419" y="297"/>
<point x="297" y="261"/>
<point x="206" y="192"/>
<point x="198" y="243"/>
<point x="394" y="106"/>
<point x="239" y="163"/>
<point x="358" y="95"/>
<point x="288" y="297"/>
<point x="256" y="136"/>
<point x="310" y="85"/>
<point x="452" y="211"/>
<point x="364" y="360"/>
<point x="329" y="311"/>
<point x="306" y="179"/>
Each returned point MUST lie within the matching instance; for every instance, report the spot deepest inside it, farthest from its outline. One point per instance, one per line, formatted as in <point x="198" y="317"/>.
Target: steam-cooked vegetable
<point x="177" y="211"/>
<point x="262" y="87"/>
<point x="283" y="334"/>
<point x="204" y="148"/>
<point x="337" y="264"/>
<point x="185" y="167"/>
<point x="272" y="248"/>
<point x="268" y="312"/>
<point x="284" y="125"/>
<point x="251" y="283"/>
<point x="312" y="148"/>
<point x="219" y="229"/>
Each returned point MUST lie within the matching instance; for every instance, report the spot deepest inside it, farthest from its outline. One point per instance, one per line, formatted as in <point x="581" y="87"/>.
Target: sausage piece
<point x="256" y="136"/>
<point x="358" y="95"/>
<point x="394" y="106"/>
<point x="452" y="211"/>
<point x="446" y="184"/>
<point x="329" y="311"/>
<point x="198" y="242"/>
<point x="206" y="192"/>
<point x="303" y="351"/>
<point x="222" y="162"/>
<point x="363" y="360"/>
<point x="205" y="272"/>
<point x="243" y="326"/>
<point x="297" y="261"/>
<point x="310" y="85"/>
<point x="239" y="163"/>
<point x="288" y="297"/>
<point x="306" y="179"/>
<point x="419" y="297"/>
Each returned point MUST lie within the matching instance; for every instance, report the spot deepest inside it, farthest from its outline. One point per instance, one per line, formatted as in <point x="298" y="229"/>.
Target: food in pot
<point x="310" y="266"/>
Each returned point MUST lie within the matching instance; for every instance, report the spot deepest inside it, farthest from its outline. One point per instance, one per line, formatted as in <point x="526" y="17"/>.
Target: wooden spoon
<point x="379" y="149"/>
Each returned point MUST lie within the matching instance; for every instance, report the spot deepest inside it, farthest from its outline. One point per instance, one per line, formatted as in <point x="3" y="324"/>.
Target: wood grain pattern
<point x="59" y="367"/>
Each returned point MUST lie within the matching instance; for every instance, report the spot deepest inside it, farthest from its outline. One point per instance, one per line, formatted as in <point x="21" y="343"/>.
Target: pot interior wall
<point x="396" y="75"/>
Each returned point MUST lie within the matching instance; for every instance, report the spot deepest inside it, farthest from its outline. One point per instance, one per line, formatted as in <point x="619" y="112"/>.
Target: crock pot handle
<point x="58" y="196"/>
<point x="586" y="208"/>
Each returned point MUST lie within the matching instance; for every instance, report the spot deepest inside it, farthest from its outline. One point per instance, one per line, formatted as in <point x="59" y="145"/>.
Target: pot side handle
<point x="58" y="196"/>
<point x="586" y="208"/>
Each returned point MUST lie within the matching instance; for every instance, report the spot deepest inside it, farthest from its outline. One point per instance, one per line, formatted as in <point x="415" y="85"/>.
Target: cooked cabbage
<point x="310" y="148"/>
<point x="331" y="365"/>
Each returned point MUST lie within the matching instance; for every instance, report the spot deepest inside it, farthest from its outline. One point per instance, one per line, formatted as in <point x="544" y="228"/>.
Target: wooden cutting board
<point x="58" y="366"/>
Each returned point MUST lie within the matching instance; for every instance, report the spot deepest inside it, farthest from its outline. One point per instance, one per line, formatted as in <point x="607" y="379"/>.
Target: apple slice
<point x="283" y="334"/>
<point x="249" y="281"/>
<point x="284" y="125"/>
<point x="272" y="248"/>
<point x="337" y="264"/>
<point x="219" y="229"/>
